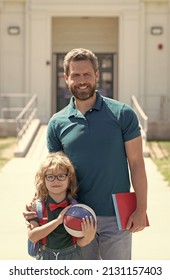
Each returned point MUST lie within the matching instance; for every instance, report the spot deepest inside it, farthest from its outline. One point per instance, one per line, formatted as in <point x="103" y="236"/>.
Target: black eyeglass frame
<point x="60" y="177"/>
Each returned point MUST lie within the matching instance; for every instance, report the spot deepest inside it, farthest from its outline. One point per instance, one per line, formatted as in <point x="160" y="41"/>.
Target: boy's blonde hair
<point x="53" y="162"/>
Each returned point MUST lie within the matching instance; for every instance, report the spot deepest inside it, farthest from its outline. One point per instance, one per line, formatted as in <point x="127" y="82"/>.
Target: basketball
<point x="73" y="218"/>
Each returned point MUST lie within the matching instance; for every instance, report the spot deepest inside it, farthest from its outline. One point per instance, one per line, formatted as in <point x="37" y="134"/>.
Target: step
<point x="26" y="141"/>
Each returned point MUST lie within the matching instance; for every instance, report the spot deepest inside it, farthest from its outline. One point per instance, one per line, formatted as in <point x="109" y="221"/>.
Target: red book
<point x="125" y="205"/>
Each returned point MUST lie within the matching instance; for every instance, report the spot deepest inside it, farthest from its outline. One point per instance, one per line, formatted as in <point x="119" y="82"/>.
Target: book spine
<point x="117" y="212"/>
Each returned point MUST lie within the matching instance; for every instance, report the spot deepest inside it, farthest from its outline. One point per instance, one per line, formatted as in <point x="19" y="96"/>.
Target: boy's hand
<point x="60" y="217"/>
<point x="89" y="228"/>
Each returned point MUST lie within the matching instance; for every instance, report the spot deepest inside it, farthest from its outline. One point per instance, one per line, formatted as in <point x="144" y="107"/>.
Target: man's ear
<point x="66" y="78"/>
<point x="97" y="75"/>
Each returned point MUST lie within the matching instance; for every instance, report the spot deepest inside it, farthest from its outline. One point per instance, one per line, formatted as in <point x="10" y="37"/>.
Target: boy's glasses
<point x="60" y="177"/>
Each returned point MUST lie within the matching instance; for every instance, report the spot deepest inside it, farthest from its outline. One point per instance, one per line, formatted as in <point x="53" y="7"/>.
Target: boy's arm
<point x="36" y="232"/>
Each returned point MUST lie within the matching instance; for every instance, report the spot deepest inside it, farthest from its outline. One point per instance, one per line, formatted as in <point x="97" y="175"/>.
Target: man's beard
<point x="83" y="95"/>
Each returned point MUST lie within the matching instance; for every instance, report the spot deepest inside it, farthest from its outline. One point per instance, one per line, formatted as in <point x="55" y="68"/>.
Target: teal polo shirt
<point x="94" y="142"/>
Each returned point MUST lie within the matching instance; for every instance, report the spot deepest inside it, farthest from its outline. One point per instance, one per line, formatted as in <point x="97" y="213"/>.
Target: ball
<point x="73" y="218"/>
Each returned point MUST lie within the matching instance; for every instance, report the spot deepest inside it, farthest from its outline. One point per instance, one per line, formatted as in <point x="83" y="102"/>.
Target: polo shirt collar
<point x="72" y="110"/>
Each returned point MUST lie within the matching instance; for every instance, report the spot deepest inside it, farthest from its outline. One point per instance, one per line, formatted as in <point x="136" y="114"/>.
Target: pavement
<point x="17" y="188"/>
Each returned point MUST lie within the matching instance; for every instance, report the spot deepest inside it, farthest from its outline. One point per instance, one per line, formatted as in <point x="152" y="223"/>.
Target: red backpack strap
<point x="42" y="215"/>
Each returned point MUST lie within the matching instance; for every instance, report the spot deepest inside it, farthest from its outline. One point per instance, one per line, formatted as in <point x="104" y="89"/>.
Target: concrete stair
<point x="38" y="149"/>
<point x="27" y="139"/>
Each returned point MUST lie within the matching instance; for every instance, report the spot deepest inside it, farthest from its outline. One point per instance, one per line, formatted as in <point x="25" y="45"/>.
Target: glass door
<point x="62" y="93"/>
<point x="105" y="82"/>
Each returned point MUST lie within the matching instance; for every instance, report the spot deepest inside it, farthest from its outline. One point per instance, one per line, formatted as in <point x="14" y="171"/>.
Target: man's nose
<point x="82" y="79"/>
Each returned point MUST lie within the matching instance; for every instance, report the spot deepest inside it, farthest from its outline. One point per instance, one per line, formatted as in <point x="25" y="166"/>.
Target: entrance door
<point x="106" y="83"/>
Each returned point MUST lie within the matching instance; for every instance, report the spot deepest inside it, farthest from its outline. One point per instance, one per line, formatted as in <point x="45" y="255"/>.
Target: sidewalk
<point x="154" y="242"/>
<point x="17" y="188"/>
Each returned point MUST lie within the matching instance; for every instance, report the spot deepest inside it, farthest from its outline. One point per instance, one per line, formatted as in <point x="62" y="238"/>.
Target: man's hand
<point x="29" y="212"/>
<point x="137" y="221"/>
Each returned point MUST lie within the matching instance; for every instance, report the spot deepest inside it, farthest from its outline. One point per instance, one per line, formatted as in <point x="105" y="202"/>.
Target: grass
<point x="7" y="146"/>
<point x="163" y="164"/>
<point x="165" y="145"/>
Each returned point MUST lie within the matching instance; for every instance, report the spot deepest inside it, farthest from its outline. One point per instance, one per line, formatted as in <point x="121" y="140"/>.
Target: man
<point x="102" y="138"/>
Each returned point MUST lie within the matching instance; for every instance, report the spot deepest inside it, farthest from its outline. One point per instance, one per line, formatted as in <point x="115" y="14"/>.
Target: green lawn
<point x="163" y="164"/>
<point x="165" y="145"/>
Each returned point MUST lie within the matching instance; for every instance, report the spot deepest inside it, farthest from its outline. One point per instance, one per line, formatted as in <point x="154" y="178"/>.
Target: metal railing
<point x="11" y="104"/>
<point x="26" y="116"/>
<point x="143" y="119"/>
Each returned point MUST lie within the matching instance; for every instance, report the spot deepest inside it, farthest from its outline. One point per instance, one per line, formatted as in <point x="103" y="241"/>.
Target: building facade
<point x="130" y="37"/>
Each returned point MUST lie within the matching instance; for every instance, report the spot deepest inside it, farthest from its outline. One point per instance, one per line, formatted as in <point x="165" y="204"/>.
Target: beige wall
<point x="12" y="48"/>
<point x="157" y="94"/>
<point x="95" y="33"/>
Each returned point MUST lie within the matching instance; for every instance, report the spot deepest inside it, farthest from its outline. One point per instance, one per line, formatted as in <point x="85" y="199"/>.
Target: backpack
<point x="41" y="210"/>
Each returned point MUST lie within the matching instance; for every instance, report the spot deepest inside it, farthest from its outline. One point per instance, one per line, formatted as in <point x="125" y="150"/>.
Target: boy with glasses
<point x="56" y="186"/>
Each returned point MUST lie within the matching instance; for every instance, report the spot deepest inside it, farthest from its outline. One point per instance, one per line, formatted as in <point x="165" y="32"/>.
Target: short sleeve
<point x="53" y="143"/>
<point x="129" y="123"/>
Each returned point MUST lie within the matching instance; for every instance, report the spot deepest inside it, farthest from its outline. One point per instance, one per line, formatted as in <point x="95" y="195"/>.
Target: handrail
<point x="11" y="104"/>
<point x="143" y="118"/>
<point x="25" y="109"/>
<point x="25" y="117"/>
